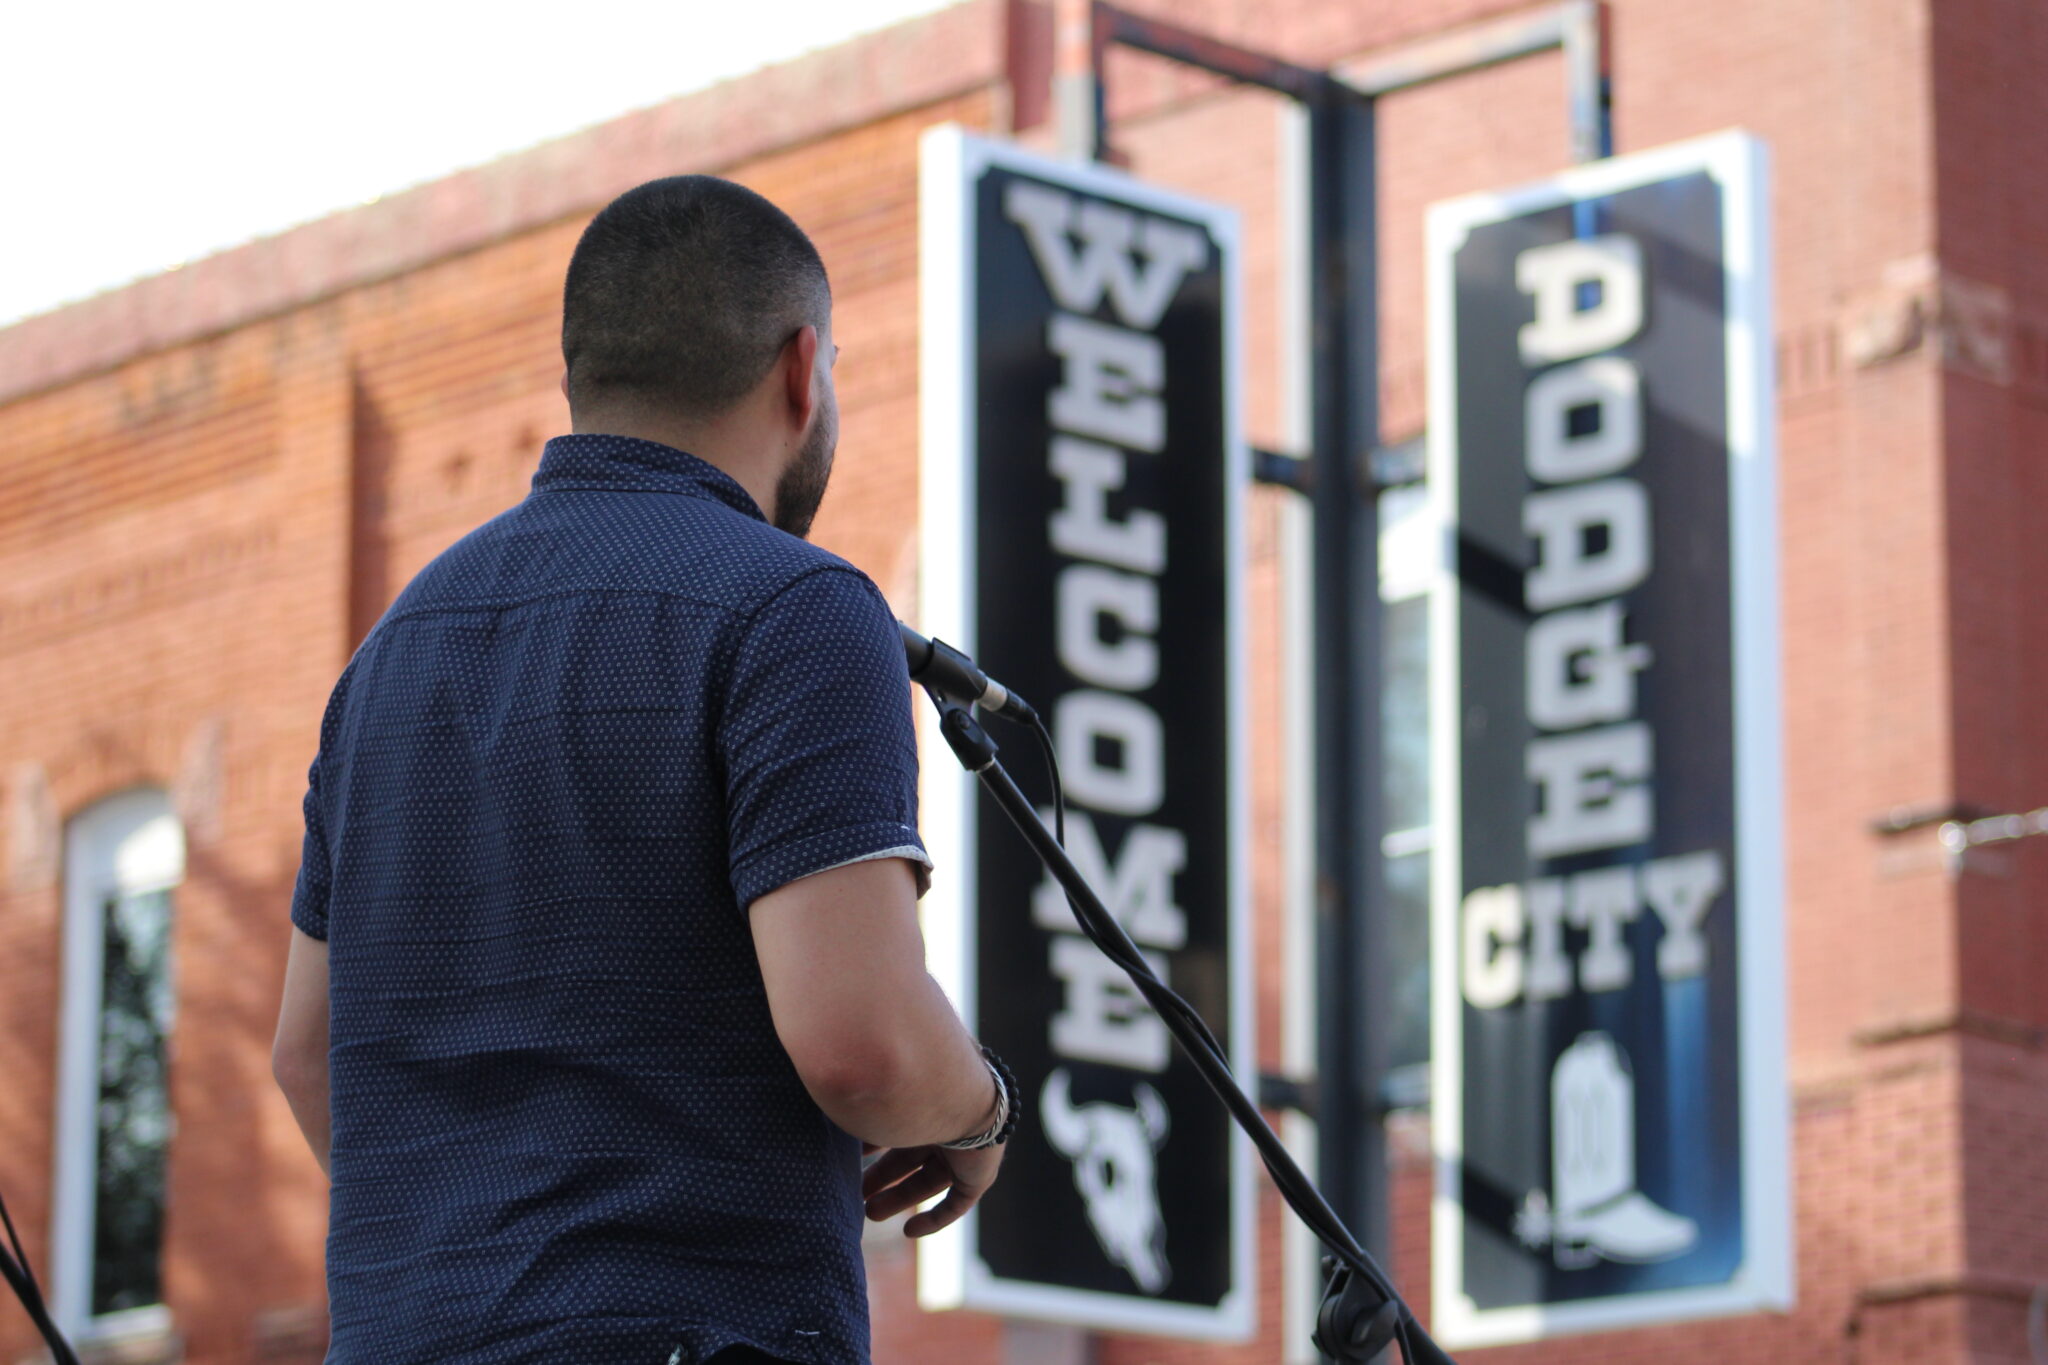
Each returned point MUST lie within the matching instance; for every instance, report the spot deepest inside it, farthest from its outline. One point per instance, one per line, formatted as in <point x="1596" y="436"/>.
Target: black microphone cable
<point x="21" y="1278"/>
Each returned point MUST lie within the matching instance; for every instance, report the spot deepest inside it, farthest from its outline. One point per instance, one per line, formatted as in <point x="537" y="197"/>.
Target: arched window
<point x="122" y="858"/>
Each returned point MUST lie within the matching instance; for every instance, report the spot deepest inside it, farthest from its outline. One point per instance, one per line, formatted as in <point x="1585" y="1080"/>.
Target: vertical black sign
<point x="1087" y="548"/>
<point x="1609" y="1037"/>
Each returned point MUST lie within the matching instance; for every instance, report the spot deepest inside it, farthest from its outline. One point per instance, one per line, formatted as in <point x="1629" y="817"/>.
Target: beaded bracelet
<point x="1009" y="1105"/>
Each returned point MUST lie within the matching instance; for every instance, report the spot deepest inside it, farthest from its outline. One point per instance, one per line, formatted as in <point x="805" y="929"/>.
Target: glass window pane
<point x="1404" y="712"/>
<point x="134" y="1104"/>
<point x="1408" y="958"/>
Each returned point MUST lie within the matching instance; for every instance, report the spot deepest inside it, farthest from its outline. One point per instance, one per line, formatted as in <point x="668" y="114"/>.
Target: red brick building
<point x="214" y="480"/>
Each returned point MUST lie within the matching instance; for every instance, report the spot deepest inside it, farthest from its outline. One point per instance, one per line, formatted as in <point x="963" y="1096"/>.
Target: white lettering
<point x="1579" y="671"/>
<point x="1137" y="885"/>
<point x="1600" y="901"/>
<point x="1563" y="330"/>
<point x="1086" y="593"/>
<point x="1492" y="957"/>
<point x="1110" y="383"/>
<point x="1134" y="782"/>
<point x="1104" y="265"/>
<point x="1561" y="519"/>
<point x="1609" y="385"/>
<point x="1550" y="970"/>
<point x="1108" y="404"/>
<point x="1511" y="939"/>
<point x="1681" y="890"/>
<point x="1589" y="787"/>
<point x="1104" y="1019"/>
<point x="1082" y="527"/>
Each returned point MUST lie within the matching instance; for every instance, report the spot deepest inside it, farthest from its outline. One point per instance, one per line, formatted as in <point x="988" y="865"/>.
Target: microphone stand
<point x="1360" y="1312"/>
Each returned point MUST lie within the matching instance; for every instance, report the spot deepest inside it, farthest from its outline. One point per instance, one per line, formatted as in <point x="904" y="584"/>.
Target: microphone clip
<point x="964" y="734"/>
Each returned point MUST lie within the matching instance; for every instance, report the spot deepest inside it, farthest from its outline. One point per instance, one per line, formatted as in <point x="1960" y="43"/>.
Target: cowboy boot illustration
<point x="1598" y="1210"/>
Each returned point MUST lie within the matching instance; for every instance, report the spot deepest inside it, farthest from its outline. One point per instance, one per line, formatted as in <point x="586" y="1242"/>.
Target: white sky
<point x="136" y="136"/>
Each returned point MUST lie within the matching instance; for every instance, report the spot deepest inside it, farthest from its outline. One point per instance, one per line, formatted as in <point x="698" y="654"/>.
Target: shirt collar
<point x="627" y="462"/>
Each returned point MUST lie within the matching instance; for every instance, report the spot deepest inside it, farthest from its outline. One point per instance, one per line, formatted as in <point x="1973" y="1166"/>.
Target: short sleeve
<point x="819" y="753"/>
<point x="309" y="896"/>
<point x="316" y="861"/>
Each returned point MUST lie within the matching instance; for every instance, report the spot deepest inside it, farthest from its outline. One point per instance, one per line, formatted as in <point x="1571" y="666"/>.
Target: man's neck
<point x="730" y="451"/>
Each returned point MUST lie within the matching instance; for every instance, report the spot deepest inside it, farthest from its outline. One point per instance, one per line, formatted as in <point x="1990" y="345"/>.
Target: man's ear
<point x="565" y="383"/>
<point x="799" y="361"/>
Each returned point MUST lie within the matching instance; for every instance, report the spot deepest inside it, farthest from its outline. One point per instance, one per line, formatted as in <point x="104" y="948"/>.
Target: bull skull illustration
<point x="1112" y="1149"/>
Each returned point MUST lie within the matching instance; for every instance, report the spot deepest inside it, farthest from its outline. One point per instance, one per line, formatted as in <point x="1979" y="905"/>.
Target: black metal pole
<point x="1350" y="904"/>
<point x="1352" y="1010"/>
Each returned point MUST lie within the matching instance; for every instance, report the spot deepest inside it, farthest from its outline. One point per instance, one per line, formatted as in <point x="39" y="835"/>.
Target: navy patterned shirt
<point x="549" y="783"/>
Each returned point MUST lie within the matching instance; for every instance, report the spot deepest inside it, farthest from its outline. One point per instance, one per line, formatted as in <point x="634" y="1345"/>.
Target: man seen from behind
<point x="605" y="961"/>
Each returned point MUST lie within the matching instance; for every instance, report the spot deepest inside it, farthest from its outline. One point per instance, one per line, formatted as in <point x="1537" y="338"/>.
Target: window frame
<point x="128" y="843"/>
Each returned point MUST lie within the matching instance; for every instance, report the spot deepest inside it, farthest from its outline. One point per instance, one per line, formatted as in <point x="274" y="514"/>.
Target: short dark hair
<point x="682" y="292"/>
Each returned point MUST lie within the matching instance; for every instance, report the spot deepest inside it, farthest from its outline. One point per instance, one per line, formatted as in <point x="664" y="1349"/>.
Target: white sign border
<point x="1738" y="163"/>
<point x="949" y="1273"/>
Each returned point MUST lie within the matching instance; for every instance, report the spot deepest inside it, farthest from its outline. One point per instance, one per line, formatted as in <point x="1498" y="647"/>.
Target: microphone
<point x="945" y="670"/>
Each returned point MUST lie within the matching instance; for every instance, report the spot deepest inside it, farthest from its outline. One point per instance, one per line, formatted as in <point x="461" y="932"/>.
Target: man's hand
<point x="904" y="1177"/>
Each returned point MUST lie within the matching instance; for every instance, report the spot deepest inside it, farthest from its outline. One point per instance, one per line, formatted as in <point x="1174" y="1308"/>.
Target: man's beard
<point x="802" y="485"/>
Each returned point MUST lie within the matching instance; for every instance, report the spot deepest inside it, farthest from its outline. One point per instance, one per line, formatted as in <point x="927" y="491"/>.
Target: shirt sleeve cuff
<point x="768" y="869"/>
<point x="311" y="920"/>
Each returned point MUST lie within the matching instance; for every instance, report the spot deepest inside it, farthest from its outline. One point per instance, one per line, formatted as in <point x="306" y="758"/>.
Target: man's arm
<point x="821" y="802"/>
<point x="298" y="1057"/>
<point x="874" y="1039"/>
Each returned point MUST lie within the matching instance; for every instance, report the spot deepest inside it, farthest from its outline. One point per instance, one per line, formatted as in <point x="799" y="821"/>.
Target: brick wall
<point x="1991" y="313"/>
<point x="215" y="481"/>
